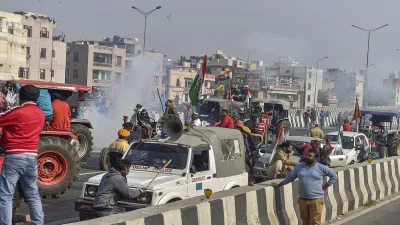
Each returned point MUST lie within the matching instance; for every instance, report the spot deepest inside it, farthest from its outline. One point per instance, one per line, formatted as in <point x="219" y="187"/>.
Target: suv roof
<point x="381" y="112"/>
<point x="345" y="133"/>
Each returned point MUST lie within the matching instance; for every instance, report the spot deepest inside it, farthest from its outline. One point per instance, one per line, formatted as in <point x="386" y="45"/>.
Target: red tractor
<point x="61" y="153"/>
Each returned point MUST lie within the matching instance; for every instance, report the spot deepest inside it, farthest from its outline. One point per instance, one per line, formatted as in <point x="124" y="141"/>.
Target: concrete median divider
<point x="262" y="204"/>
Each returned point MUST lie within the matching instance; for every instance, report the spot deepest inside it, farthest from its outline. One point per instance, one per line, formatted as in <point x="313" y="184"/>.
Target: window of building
<point x="102" y="75"/>
<point x="162" y="94"/>
<point x="309" y="86"/>
<point x="118" y="61"/>
<point x="44" y="33"/>
<point x="287" y="71"/>
<point x="128" y="64"/>
<point x="118" y="77"/>
<point x="178" y="82"/>
<point x="26" y="73"/>
<point x="28" y="51"/>
<point x="42" y="53"/>
<point x="29" y="30"/>
<point x="188" y="82"/>
<point x="21" y="72"/>
<point x="308" y="98"/>
<point x="102" y="58"/>
<point x="155" y="95"/>
<point x="53" y="53"/>
<point x="75" y="74"/>
<point x="76" y="56"/>
<point x="52" y="73"/>
<point x="309" y="74"/>
<point x="10" y="31"/>
<point x="66" y="73"/>
<point x="186" y="97"/>
<point x="155" y="79"/>
<point x="164" y="79"/>
<point x="42" y="74"/>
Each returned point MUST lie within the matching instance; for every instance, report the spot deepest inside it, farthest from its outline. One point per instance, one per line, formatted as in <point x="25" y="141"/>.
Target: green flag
<point x="194" y="90"/>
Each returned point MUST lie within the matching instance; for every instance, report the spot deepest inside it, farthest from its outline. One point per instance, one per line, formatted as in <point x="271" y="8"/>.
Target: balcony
<point x="102" y="60"/>
<point x="106" y="82"/>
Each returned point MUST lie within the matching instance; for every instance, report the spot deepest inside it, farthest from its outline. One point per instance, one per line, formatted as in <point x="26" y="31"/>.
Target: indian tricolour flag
<point x="224" y="76"/>
<point x="280" y="139"/>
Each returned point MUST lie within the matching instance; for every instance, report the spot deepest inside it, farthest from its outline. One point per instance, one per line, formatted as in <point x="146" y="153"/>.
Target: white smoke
<point x="132" y="90"/>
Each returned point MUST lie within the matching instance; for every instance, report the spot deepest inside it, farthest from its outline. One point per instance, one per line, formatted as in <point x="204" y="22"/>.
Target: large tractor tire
<point x="85" y="145"/>
<point x="382" y="151"/>
<point x="393" y="145"/>
<point x="104" y="159"/>
<point x="58" y="166"/>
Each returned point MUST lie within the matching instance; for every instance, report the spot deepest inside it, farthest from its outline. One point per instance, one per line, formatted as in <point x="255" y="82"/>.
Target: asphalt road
<point x="62" y="210"/>
<point x="387" y="215"/>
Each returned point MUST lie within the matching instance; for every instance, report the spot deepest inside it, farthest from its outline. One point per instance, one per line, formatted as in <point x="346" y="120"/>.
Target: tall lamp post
<point x="316" y="80"/>
<point x="369" y="32"/>
<point x="248" y="56"/>
<point x="145" y="14"/>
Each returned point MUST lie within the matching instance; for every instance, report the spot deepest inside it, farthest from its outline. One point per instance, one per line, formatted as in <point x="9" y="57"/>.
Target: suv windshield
<point x="155" y="155"/>
<point x="347" y="142"/>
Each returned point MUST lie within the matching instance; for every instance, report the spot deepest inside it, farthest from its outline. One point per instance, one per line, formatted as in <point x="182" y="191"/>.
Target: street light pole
<point x="316" y="80"/>
<point x="369" y="32"/>
<point x="145" y="14"/>
<point x="248" y="57"/>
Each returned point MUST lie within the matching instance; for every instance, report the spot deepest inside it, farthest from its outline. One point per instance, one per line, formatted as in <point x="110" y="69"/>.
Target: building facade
<point x="46" y="51"/>
<point x="287" y="80"/>
<point x="13" y="46"/>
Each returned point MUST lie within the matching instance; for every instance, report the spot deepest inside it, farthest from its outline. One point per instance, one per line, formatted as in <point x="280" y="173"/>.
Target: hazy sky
<point x="304" y="29"/>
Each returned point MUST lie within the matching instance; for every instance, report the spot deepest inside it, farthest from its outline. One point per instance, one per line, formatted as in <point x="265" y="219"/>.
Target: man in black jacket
<point x="113" y="188"/>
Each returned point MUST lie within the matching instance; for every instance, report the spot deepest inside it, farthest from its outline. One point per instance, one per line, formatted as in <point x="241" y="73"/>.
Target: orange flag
<point x="357" y="113"/>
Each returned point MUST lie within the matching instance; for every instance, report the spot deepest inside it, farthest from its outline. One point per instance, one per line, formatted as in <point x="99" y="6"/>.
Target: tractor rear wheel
<point x="393" y="145"/>
<point x="85" y="142"/>
<point x="383" y="152"/>
<point x="58" y="166"/>
<point x="104" y="159"/>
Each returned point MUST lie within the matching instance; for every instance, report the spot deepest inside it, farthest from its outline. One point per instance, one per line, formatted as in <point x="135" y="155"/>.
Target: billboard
<point x="253" y="80"/>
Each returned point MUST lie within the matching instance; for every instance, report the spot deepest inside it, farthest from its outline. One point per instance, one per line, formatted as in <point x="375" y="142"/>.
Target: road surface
<point x="384" y="215"/>
<point x="62" y="210"/>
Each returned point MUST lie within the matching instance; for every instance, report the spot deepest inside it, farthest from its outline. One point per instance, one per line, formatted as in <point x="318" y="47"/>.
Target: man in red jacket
<point x="22" y="126"/>
<point x="347" y="126"/>
<point x="227" y="121"/>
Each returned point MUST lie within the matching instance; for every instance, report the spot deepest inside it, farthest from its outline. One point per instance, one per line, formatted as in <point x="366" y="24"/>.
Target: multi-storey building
<point x="46" y="50"/>
<point x="13" y="45"/>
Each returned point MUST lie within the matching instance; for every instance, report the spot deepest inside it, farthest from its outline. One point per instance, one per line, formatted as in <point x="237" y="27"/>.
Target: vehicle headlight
<point x="145" y="198"/>
<point x="91" y="191"/>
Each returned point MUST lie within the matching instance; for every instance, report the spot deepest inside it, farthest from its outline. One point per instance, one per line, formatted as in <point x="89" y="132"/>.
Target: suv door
<point x="338" y="158"/>
<point x="200" y="176"/>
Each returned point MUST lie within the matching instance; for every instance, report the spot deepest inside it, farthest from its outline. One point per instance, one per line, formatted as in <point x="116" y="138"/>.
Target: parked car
<point x="350" y="144"/>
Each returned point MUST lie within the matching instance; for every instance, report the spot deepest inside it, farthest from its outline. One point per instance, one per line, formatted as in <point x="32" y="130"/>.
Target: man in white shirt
<point x="195" y="120"/>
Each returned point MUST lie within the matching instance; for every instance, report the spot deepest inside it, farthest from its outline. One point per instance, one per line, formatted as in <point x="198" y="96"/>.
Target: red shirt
<point x="227" y="122"/>
<point x="61" y="116"/>
<point x="347" y="127"/>
<point x="22" y="126"/>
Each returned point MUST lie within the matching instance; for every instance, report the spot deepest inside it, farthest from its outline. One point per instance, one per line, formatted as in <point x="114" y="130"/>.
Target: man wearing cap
<point x="119" y="147"/>
<point x="170" y="108"/>
<point x="22" y="126"/>
<point x="196" y="120"/>
<point x="141" y="116"/>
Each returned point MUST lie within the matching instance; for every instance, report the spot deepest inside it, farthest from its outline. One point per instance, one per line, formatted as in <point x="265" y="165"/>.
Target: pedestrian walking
<point x="306" y="117"/>
<point x="322" y="117"/>
<point x="24" y="122"/>
<point x="313" y="117"/>
<point x="311" y="187"/>
<point x="339" y="120"/>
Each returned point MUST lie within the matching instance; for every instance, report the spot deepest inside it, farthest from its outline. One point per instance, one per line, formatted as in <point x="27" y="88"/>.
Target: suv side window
<point x="201" y="160"/>
<point x="358" y="141"/>
<point x="363" y="140"/>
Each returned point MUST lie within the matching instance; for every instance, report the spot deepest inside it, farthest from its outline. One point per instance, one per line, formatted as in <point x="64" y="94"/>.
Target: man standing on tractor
<point x="119" y="147"/>
<point x="43" y="102"/>
<point x="227" y="121"/>
<point x="62" y="114"/>
<point x="22" y="126"/>
<point x="170" y="108"/>
<point x="142" y="116"/>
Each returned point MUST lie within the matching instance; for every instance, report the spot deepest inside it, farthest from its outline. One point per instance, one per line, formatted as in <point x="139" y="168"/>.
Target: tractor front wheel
<point x="85" y="142"/>
<point x="393" y="145"/>
<point x="104" y="159"/>
<point x="58" y="166"/>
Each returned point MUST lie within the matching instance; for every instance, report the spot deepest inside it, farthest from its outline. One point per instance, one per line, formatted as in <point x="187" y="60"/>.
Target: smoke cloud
<point x="132" y="90"/>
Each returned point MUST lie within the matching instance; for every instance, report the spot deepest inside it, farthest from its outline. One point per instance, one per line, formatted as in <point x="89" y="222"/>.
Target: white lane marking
<point x="89" y="173"/>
